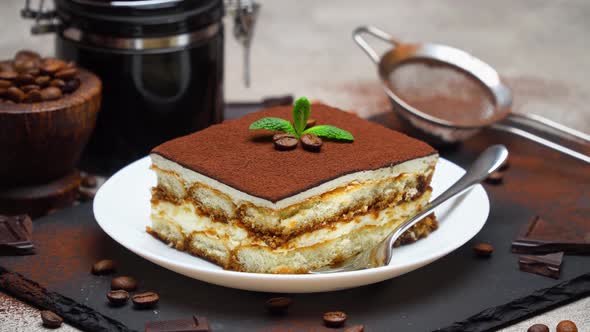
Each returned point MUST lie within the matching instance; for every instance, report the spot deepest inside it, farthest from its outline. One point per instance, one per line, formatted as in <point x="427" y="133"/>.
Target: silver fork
<point x="487" y="162"/>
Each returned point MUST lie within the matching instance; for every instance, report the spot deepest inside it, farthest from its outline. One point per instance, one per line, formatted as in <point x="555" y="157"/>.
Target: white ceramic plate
<point x="122" y="209"/>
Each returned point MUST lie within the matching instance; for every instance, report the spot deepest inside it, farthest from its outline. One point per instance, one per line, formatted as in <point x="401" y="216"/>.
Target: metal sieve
<point x="441" y="130"/>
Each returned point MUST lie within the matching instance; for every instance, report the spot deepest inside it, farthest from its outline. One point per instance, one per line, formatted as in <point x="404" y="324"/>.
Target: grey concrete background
<point x="540" y="47"/>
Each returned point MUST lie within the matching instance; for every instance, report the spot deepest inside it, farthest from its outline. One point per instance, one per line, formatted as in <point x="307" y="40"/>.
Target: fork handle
<point x="489" y="161"/>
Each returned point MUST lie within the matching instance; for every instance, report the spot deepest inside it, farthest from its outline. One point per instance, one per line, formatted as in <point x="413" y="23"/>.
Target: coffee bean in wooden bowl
<point x="44" y="127"/>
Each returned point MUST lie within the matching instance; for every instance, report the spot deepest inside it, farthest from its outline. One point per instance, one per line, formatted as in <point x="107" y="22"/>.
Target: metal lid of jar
<point x="140" y="18"/>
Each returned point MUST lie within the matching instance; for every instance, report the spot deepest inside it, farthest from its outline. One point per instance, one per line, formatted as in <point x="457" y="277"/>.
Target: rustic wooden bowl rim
<point x="90" y="86"/>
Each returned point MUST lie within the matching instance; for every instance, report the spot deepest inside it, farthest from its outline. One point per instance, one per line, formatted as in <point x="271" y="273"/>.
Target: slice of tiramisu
<point x="228" y="194"/>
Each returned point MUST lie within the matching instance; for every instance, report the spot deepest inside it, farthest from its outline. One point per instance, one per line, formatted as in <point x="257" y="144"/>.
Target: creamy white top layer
<point x="418" y="165"/>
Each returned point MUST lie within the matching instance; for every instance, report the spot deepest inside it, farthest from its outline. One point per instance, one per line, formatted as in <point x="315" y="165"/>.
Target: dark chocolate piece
<point x="16" y="234"/>
<point x="542" y="236"/>
<point x="546" y="265"/>
<point x="194" y="324"/>
<point x="542" y="300"/>
<point x="74" y="313"/>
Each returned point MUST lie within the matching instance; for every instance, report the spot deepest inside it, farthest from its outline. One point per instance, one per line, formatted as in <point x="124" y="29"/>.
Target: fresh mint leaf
<point x="301" y="111"/>
<point x="274" y="124"/>
<point x="330" y="132"/>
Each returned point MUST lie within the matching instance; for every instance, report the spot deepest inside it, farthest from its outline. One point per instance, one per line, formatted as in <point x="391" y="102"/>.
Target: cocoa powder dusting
<point x="244" y="159"/>
<point x="442" y="91"/>
<point x="61" y="254"/>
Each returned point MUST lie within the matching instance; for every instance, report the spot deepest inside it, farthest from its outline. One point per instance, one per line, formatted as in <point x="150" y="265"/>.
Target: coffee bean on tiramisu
<point x="483" y="249"/>
<point x="33" y="96"/>
<point x="103" y="266"/>
<point x="278" y="136"/>
<point x="278" y="305"/>
<point x="538" y="328"/>
<point x="51" y="93"/>
<point x="566" y="326"/>
<point x="334" y="319"/>
<point x="496" y="177"/>
<point x="51" y="319"/>
<point x="8" y="75"/>
<point x="124" y="282"/>
<point x="118" y="297"/>
<point x="310" y="123"/>
<point x="145" y="300"/>
<point x="89" y="181"/>
<point x="355" y="328"/>
<point x="285" y="143"/>
<point x="15" y="94"/>
<point x="311" y="142"/>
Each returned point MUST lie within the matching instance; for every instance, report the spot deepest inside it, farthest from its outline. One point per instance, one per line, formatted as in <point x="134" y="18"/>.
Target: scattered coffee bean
<point x="8" y="75"/>
<point x="33" y="96"/>
<point x="278" y="305"/>
<point x="311" y="142"/>
<point x="51" y="319"/>
<point x="71" y="85"/>
<point x="567" y="326"/>
<point x="24" y="79"/>
<point x="285" y="143"/>
<point x="538" y="328"/>
<point x="51" y="93"/>
<point x="27" y="88"/>
<point x="104" y="266"/>
<point x="335" y="319"/>
<point x="355" y="328"/>
<point x="15" y="94"/>
<point x="310" y="123"/>
<point x="118" y="297"/>
<point x="66" y="74"/>
<point x="495" y="178"/>
<point x="42" y="80"/>
<point x="146" y="300"/>
<point x="483" y="249"/>
<point x="125" y="283"/>
<point x="89" y="181"/>
<point x="4" y="84"/>
<point x="85" y="195"/>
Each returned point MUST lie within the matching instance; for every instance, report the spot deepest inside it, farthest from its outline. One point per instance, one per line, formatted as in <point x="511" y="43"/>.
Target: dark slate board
<point x="431" y="298"/>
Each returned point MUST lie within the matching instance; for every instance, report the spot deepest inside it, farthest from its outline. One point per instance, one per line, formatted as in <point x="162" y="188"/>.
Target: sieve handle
<point x="542" y="141"/>
<point x="375" y="32"/>
<point x="545" y="124"/>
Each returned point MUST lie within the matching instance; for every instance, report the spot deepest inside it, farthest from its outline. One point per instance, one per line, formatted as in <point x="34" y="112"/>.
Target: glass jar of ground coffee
<point x="161" y="63"/>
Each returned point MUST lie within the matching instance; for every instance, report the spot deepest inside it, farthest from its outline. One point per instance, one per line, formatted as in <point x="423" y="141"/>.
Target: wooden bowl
<point x="43" y="141"/>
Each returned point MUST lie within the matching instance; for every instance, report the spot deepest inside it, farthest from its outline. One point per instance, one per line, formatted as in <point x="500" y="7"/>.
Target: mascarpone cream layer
<point x="235" y="236"/>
